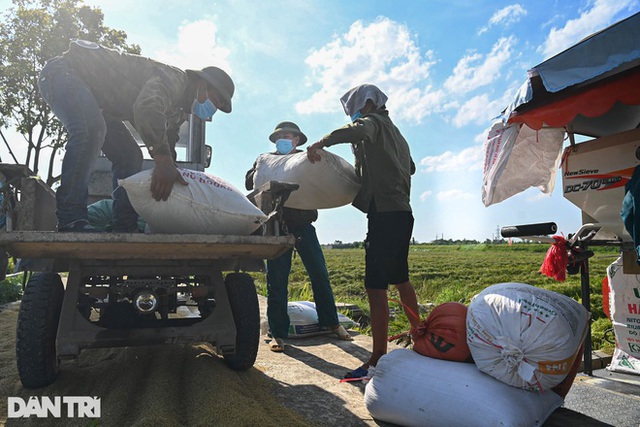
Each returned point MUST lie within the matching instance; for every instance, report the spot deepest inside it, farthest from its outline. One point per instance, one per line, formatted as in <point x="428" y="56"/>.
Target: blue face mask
<point x="356" y="116"/>
<point x="284" y="146"/>
<point x="204" y="110"/>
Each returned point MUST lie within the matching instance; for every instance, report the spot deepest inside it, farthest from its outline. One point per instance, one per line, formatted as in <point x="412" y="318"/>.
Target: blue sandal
<point x="356" y="375"/>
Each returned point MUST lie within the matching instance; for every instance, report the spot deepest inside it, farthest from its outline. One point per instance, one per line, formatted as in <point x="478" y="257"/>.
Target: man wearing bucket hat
<point x="287" y="137"/>
<point x="383" y="161"/>
<point x="93" y="90"/>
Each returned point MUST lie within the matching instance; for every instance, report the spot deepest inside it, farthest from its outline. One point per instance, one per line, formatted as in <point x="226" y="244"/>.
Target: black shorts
<point x="387" y="249"/>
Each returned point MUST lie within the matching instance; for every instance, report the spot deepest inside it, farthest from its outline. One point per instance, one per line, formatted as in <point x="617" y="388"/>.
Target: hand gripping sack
<point x="443" y="334"/>
<point x="329" y="183"/>
<point x="208" y="205"/>
<point x="525" y="336"/>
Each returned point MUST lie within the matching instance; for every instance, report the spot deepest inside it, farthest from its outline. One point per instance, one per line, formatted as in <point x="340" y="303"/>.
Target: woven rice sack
<point x="208" y="205"/>
<point x="303" y="320"/>
<point x="443" y="334"/>
<point x="329" y="183"/>
<point x="525" y="336"/>
<point x="409" y="389"/>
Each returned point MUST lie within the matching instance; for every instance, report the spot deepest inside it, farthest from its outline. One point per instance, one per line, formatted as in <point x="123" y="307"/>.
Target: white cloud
<point x="470" y="73"/>
<point x="468" y="159"/>
<point x="537" y="197"/>
<point x="424" y="196"/>
<point x="482" y="110"/>
<point x="413" y="104"/>
<point x="383" y="53"/>
<point x="478" y="110"/>
<point x="597" y="18"/>
<point x="506" y="16"/>
<point x="454" y="195"/>
<point x="197" y="47"/>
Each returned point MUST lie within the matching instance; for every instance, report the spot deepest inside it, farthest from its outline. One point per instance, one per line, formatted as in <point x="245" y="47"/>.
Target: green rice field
<point x="442" y="273"/>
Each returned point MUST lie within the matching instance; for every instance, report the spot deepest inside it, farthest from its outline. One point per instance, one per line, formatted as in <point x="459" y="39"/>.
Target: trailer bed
<point x="46" y="244"/>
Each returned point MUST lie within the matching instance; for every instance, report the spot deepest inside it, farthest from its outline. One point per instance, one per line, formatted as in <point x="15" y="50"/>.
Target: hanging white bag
<point x="518" y="157"/>
<point x="208" y="205"/>
<point x="525" y="336"/>
<point x="330" y="183"/>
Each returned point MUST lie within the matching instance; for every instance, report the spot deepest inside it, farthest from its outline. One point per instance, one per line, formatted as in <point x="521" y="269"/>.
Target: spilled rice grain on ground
<point x="170" y="385"/>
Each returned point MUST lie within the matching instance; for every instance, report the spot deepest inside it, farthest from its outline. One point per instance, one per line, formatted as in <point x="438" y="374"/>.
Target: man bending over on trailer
<point x="92" y="90"/>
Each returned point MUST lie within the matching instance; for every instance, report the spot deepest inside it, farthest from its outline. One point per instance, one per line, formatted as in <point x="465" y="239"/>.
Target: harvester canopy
<point x="590" y="89"/>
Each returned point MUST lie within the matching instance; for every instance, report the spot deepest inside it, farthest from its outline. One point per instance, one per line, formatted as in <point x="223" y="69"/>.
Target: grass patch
<point x="442" y="273"/>
<point x="11" y="289"/>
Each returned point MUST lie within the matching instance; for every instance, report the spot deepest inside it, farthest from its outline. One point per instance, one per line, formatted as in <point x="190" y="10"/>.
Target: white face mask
<point x="284" y="146"/>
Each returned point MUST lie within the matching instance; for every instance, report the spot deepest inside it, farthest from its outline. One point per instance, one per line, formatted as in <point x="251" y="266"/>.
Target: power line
<point x="8" y="148"/>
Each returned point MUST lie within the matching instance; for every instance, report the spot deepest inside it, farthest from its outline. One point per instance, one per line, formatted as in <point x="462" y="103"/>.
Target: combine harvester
<point x="589" y="93"/>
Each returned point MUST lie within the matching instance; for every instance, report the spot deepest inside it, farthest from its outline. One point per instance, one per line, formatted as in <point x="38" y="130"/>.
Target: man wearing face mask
<point x="385" y="166"/>
<point x="287" y="137"/>
<point x="93" y="90"/>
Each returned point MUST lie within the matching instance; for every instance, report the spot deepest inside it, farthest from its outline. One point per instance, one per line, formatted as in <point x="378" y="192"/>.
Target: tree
<point x="31" y="32"/>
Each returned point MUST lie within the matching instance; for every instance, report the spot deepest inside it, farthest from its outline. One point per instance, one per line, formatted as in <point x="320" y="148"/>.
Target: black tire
<point x="37" y="328"/>
<point x="246" y="315"/>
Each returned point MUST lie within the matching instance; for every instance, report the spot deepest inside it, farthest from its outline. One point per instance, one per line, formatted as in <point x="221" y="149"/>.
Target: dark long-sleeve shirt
<point x="383" y="161"/>
<point x="631" y="209"/>
<point x="149" y="94"/>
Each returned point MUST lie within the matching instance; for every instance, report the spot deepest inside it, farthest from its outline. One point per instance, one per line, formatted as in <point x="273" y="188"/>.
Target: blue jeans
<point x="278" y="282"/>
<point x="90" y="131"/>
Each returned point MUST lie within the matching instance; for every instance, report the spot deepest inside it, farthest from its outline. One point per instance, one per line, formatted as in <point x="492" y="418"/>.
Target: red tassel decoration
<point x="556" y="261"/>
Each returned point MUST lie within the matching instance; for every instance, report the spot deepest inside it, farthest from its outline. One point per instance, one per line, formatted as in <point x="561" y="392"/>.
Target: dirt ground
<point x="189" y="385"/>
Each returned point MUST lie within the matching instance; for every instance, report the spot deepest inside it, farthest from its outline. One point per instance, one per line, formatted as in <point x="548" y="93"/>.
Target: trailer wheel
<point x="37" y="328"/>
<point x="246" y="315"/>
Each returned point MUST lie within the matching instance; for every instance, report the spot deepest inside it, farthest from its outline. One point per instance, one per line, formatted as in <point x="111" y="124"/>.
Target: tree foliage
<point x="31" y="32"/>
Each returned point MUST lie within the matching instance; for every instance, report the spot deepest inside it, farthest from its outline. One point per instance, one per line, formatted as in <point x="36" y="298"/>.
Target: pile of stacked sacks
<point x="508" y="359"/>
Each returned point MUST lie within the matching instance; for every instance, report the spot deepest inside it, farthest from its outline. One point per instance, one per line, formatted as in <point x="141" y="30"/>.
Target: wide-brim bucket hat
<point x="288" y="127"/>
<point x="220" y="80"/>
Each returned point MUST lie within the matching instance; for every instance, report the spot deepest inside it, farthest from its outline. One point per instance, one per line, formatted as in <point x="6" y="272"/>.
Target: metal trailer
<point x="128" y="289"/>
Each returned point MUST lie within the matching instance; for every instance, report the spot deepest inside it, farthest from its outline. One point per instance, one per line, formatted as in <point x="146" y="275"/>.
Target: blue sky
<point x="448" y="68"/>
